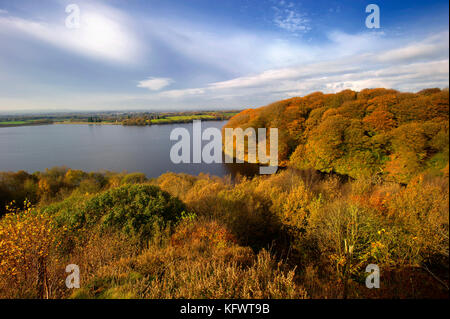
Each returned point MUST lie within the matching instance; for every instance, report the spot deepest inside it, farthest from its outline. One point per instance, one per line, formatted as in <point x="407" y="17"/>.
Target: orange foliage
<point x="359" y="133"/>
<point x="195" y="234"/>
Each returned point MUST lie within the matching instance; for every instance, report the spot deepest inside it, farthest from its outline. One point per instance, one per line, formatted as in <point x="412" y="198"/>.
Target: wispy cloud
<point x="218" y="49"/>
<point x="182" y="93"/>
<point x="103" y="34"/>
<point x="433" y="47"/>
<point x="410" y="67"/>
<point x="288" y="18"/>
<point x="155" y="84"/>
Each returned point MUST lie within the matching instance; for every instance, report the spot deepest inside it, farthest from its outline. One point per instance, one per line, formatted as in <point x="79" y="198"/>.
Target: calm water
<point x="102" y="147"/>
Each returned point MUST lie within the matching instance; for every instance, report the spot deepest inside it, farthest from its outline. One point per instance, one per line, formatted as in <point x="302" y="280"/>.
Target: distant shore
<point x="106" y="123"/>
<point x="89" y="123"/>
<point x="25" y="124"/>
<point x="131" y="119"/>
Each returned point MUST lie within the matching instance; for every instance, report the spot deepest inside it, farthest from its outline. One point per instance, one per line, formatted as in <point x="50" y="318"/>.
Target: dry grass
<point x="201" y="266"/>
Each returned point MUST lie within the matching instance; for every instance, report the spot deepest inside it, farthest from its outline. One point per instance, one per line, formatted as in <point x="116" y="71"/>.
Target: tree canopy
<point x="375" y="131"/>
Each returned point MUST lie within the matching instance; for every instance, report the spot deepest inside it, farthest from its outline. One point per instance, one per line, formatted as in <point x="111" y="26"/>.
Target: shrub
<point x="134" y="178"/>
<point x="27" y="239"/>
<point x="136" y="210"/>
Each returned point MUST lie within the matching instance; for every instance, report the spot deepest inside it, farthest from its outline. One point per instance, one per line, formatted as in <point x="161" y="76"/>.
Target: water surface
<point x="93" y="147"/>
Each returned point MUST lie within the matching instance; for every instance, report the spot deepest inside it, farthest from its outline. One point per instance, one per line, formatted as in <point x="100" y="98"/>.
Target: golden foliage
<point x="26" y="242"/>
<point x="359" y="133"/>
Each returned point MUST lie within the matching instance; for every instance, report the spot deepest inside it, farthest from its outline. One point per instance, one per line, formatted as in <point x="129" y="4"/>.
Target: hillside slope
<point x="359" y="134"/>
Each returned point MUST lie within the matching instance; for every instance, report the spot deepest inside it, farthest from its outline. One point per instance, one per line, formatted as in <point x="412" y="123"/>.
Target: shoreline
<point x="106" y="123"/>
<point x="24" y="124"/>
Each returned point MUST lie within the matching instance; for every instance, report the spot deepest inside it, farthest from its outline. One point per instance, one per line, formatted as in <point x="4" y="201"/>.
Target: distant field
<point x="182" y="118"/>
<point x="24" y="122"/>
<point x="13" y="122"/>
<point x="167" y="118"/>
<point x="86" y="122"/>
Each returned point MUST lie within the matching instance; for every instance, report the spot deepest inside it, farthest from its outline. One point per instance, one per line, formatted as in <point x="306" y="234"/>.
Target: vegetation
<point x="376" y="192"/>
<point x="280" y="236"/>
<point x="24" y="122"/>
<point x="169" y="118"/>
<point x="123" y="118"/>
<point x="185" y="118"/>
<point x="375" y="132"/>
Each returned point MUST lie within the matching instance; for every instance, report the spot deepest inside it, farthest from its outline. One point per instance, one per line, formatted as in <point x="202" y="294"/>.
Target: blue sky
<point x="197" y="54"/>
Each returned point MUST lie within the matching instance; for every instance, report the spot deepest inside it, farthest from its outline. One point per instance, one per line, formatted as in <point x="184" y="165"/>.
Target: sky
<point x="212" y="54"/>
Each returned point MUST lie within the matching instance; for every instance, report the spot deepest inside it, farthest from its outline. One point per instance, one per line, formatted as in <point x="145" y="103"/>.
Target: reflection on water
<point x="104" y="147"/>
<point x="243" y="169"/>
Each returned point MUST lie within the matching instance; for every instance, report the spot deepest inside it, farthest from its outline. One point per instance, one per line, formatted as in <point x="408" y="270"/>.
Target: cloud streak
<point x="103" y="34"/>
<point x="155" y="84"/>
<point x="411" y="67"/>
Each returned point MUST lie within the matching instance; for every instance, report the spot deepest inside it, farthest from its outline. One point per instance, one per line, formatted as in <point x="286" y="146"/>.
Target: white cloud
<point x="217" y="48"/>
<point x="435" y="46"/>
<point x="182" y="93"/>
<point x="292" y="21"/>
<point x="411" y="67"/>
<point x="289" y="19"/>
<point x="3" y="11"/>
<point x="155" y="84"/>
<point x="103" y="34"/>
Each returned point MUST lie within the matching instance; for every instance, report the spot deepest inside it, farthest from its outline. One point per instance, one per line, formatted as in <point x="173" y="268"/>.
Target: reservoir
<point x="99" y="148"/>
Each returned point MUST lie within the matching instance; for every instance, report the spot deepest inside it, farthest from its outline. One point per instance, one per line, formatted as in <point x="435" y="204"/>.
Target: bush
<point x="27" y="262"/>
<point x="133" y="209"/>
<point x="134" y="178"/>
